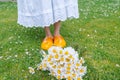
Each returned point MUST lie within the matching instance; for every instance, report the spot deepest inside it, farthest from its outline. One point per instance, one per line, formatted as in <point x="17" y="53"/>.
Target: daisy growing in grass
<point x="31" y="70"/>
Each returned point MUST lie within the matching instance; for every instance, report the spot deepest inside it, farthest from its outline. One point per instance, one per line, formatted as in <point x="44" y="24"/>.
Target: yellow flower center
<point x="74" y="75"/>
<point x="44" y="65"/>
<point x="54" y="51"/>
<point x="51" y="63"/>
<point x="62" y="65"/>
<point x="54" y="66"/>
<point x="40" y="67"/>
<point x="69" y="78"/>
<point x="56" y="56"/>
<point x="58" y="66"/>
<point x="76" y="69"/>
<point x="52" y="73"/>
<point x="49" y="59"/>
<point x="81" y="61"/>
<point x="62" y="59"/>
<point x="79" y="78"/>
<point x="68" y="68"/>
<point x="58" y="77"/>
<point x="81" y="70"/>
<point x="59" y="71"/>
<point x="67" y="60"/>
<point x="68" y="72"/>
<point x="77" y="64"/>
<point x="71" y="56"/>
<point x="69" y="64"/>
<point x="61" y="51"/>
<point x="66" y="53"/>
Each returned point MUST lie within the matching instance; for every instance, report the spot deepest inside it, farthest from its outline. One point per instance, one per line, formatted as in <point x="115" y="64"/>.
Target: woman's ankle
<point x="48" y="36"/>
<point x="57" y="34"/>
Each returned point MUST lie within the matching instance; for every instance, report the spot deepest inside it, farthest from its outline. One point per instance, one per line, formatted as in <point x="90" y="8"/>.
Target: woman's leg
<point x="48" y="40"/>
<point x="47" y="32"/>
<point x="57" y="26"/>
<point x="58" y="39"/>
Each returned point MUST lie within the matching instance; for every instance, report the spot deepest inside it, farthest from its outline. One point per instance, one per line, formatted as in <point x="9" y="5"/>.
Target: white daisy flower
<point x="70" y="50"/>
<point x="78" y="78"/>
<point x="77" y="64"/>
<point x="58" y="77"/>
<point x="54" y="50"/>
<point x="69" y="77"/>
<point x="39" y="67"/>
<point x="62" y="60"/>
<point x="56" y="57"/>
<point x="52" y="73"/>
<point x="1" y="57"/>
<point x="74" y="75"/>
<point x="81" y="60"/>
<point x="82" y="70"/>
<point x="43" y="53"/>
<point x="31" y="70"/>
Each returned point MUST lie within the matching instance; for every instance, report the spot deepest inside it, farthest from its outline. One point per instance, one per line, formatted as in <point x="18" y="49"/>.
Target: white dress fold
<point x="45" y="12"/>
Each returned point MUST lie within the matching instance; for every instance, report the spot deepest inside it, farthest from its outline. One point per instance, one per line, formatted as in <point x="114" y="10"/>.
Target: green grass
<point x="95" y="35"/>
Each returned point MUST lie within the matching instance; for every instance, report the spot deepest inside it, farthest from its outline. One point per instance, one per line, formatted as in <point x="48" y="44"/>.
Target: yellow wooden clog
<point x="47" y="43"/>
<point x="59" y="41"/>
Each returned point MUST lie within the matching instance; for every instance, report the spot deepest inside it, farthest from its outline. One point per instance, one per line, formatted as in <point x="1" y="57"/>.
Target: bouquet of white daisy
<point x="63" y="63"/>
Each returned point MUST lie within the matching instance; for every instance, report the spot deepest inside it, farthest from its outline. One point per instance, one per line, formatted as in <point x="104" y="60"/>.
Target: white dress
<point x="45" y="12"/>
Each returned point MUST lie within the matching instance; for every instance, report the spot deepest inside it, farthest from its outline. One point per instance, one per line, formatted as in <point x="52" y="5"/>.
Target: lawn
<point x="95" y="35"/>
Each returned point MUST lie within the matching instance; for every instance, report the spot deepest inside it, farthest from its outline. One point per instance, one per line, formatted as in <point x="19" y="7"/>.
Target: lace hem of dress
<point x="47" y="19"/>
